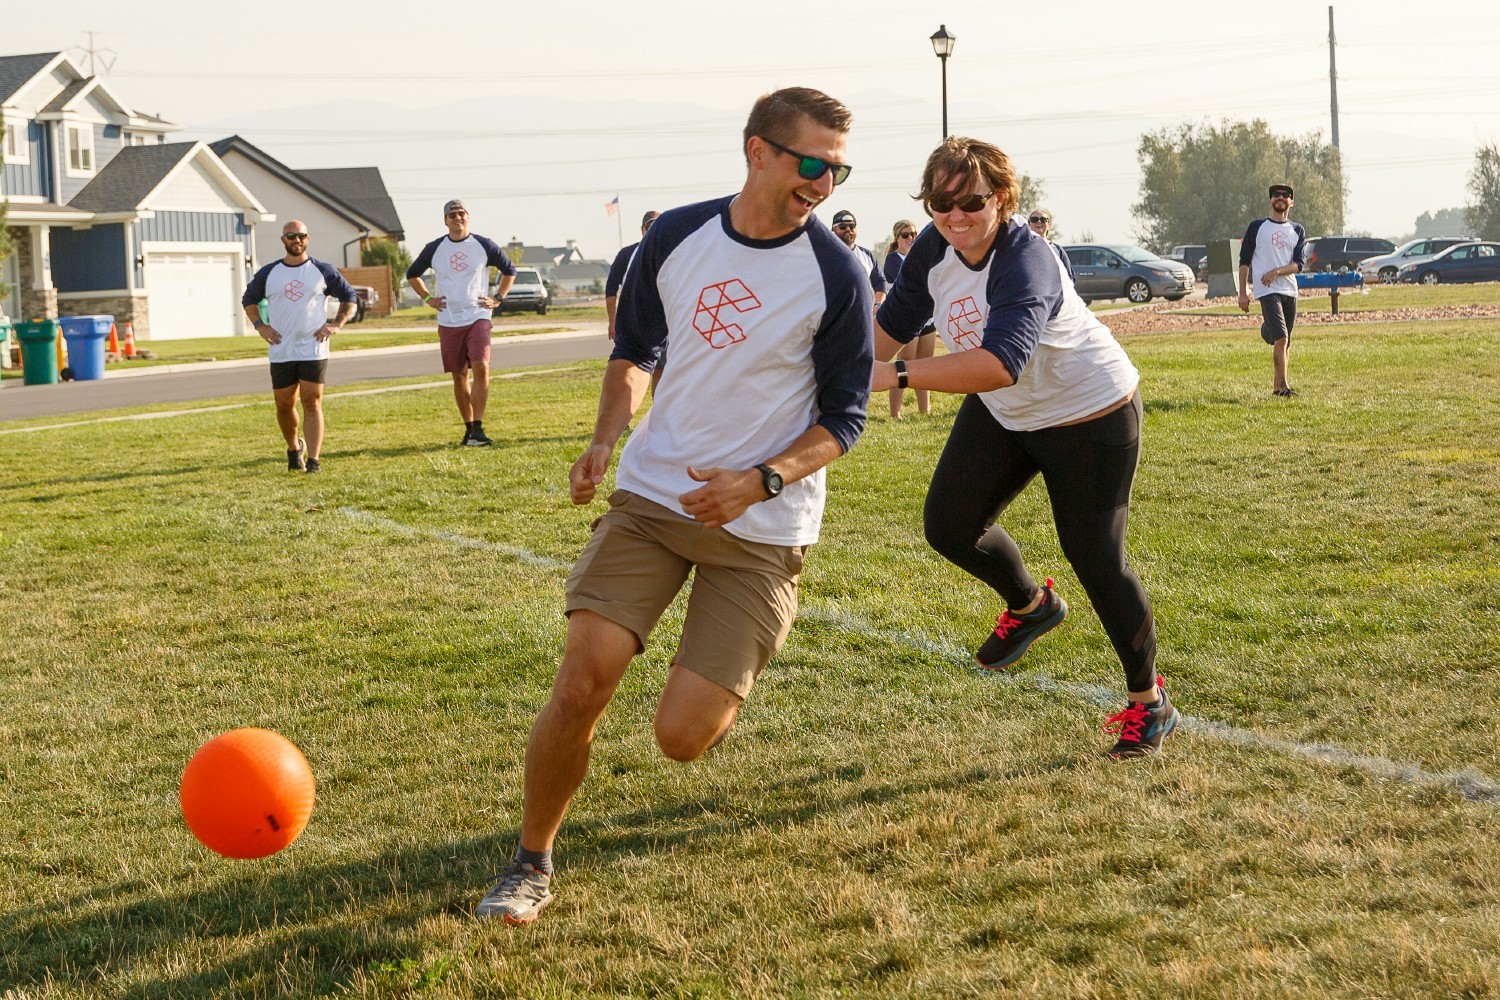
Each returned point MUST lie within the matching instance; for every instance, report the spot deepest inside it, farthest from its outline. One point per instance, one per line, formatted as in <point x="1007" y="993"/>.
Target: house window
<point x="80" y="149"/>
<point x="17" y="149"/>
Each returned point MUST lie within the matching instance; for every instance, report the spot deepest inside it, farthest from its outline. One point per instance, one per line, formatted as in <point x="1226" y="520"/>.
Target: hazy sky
<point x="538" y="114"/>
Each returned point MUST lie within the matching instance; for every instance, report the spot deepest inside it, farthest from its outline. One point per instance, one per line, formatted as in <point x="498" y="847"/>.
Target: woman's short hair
<point x="969" y="160"/>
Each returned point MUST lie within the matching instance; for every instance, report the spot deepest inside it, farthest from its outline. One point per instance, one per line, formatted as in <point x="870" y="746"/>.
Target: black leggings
<point x="1088" y="469"/>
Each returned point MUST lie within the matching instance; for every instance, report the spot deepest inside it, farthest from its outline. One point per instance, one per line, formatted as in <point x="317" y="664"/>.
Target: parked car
<point x="1119" y="270"/>
<point x="1342" y="253"/>
<point x="368" y="299"/>
<point x="1387" y="266"/>
<point x="1462" y="263"/>
<point x="1190" y="254"/>
<point x="528" y="293"/>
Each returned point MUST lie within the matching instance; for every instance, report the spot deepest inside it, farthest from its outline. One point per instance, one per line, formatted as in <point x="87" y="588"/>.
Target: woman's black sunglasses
<point x="810" y="168"/>
<point x="940" y="203"/>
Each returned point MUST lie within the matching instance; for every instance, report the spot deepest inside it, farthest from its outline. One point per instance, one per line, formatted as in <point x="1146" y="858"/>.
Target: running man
<point x="1273" y="251"/>
<point x="296" y="289"/>
<point x="770" y="322"/>
<point x="460" y="264"/>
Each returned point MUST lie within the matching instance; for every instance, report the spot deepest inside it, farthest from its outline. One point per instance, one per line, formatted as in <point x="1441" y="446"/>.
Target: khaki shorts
<point x="744" y="595"/>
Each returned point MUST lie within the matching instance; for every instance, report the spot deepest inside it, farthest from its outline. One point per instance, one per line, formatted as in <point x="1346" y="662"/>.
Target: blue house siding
<point x="194" y="227"/>
<point x="30" y="178"/>
<point x="89" y="260"/>
<point x="107" y="143"/>
<point x="190" y="227"/>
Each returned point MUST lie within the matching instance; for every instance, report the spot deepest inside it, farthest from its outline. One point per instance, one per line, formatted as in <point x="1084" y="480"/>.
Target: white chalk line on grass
<point x="1468" y="783"/>
<point x="160" y="414"/>
<point x="519" y="554"/>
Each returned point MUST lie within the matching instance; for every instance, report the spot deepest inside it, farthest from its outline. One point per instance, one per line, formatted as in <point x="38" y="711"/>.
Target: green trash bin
<point x="39" y="351"/>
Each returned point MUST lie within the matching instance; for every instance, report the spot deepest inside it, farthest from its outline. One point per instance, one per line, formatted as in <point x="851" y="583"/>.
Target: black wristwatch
<point x="901" y="376"/>
<point x="771" y="480"/>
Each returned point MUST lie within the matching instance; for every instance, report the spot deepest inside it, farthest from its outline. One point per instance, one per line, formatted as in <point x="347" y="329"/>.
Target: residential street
<point x="211" y="380"/>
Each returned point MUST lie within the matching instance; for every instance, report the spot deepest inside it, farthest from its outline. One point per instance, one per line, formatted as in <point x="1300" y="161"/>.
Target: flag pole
<point x="619" y="226"/>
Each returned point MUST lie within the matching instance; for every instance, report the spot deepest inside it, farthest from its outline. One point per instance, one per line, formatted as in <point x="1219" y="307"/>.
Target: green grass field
<point x="881" y="822"/>
<point x="1375" y="296"/>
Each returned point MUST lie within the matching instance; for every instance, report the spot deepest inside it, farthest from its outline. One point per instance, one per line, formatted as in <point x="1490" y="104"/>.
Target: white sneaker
<point x="519" y="897"/>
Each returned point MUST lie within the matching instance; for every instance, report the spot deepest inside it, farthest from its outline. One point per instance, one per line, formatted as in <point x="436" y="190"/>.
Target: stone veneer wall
<point x="35" y="303"/>
<point x="124" y="308"/>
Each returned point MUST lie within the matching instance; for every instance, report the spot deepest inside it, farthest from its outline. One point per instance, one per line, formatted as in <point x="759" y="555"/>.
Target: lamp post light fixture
<point x="942" y="44"/>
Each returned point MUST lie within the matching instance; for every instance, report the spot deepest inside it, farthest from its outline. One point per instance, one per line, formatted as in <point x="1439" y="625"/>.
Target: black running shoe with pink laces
<point x="1015" y="633"/>
<point x="1140" y="727"/>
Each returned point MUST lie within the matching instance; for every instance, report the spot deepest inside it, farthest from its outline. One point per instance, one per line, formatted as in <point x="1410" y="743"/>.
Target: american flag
<point x="612" y="207"/>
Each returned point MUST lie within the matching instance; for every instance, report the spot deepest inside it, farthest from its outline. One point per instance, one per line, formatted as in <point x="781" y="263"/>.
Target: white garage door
<point x="193" y="294"/>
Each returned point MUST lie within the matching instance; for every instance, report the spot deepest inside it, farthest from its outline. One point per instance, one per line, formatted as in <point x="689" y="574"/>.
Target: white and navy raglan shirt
<point x="867" y="261"/>
<point x="1269" y="244"/>
<point x="1017" y="305"/>
<point x="295" y="305"/>
<point x="769" y="337"/>
<point x="461" y="274"/>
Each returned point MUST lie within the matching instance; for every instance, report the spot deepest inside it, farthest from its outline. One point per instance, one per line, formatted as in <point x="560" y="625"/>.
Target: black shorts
<point x="285" y="374"/>
<point x="1278" y="314"/>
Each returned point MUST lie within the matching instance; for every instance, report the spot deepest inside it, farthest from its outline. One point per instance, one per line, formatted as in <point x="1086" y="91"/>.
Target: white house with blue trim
<point x="109" y="217"/>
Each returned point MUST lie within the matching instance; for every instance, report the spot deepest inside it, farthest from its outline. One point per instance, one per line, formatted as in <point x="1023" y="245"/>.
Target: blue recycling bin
<point x="85" y="336"/>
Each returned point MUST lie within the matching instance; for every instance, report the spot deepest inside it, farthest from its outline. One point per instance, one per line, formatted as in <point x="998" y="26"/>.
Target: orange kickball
<point x="247" y="793"/>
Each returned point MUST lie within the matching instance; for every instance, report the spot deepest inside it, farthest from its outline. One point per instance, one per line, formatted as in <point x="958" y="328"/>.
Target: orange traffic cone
<point x="114" y="341"/>
<point x="129" y="340"/>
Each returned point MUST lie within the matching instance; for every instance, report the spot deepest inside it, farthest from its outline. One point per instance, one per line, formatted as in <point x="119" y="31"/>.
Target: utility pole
<point x="1333" y="80"/>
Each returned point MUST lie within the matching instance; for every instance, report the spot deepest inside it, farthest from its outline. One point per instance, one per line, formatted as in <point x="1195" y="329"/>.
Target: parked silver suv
<point x="1419" y="251"/>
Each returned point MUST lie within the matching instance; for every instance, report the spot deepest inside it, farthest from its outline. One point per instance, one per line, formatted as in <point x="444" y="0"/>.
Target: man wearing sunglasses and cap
<point x="460" y="264"/>
<point x="1272" y="252"/>
<point x="846" y="229"/>
<point x="770" y="322"/>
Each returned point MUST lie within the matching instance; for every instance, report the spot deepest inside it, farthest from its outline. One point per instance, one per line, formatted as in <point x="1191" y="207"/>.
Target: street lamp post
<point x="942" y="44"/>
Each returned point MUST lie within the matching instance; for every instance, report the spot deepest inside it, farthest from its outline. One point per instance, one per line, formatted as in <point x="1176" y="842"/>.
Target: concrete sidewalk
<point x="359" y="352"/>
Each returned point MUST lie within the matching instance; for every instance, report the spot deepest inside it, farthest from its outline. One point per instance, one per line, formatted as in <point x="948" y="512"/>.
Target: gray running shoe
<point x="519" y="897"/>
<point x="1141" y="728"/>
<point x="294" y="459"/>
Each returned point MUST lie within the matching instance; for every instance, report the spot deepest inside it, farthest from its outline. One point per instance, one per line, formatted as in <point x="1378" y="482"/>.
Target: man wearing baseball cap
<point x="617" y="273"/>
<point x="460" y="264"/>
<point x="1273" y="251"/>
<point x="846" y="229"/>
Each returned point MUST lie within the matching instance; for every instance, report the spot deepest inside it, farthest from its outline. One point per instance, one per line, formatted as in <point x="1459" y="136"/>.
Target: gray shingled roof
<point x="298" y="178"/>
<point x="363" y="189"/>
<point x="17" y="71"/>
<point x="126" y="180"/>
<point x="69" y="92"/>
<point x="582" y="269"/>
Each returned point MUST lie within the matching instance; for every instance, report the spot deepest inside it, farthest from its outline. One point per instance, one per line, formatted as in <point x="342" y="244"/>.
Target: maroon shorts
<point x="462" y="346"/>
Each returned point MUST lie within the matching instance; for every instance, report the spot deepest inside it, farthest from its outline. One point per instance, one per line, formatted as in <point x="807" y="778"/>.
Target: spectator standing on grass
<point x="922" y="346"/>
<point x="1047" y="389"/>
<point x="296" y="289"/>
<point x="846" y="229"/>
<point x="1272" y="253"/>
<point x="612" y="294"/>
<point x="617" y="273"/>
<point x="770" y="322"/>
<point x="460" y="264"/>
<point x="1040" y="222"/>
